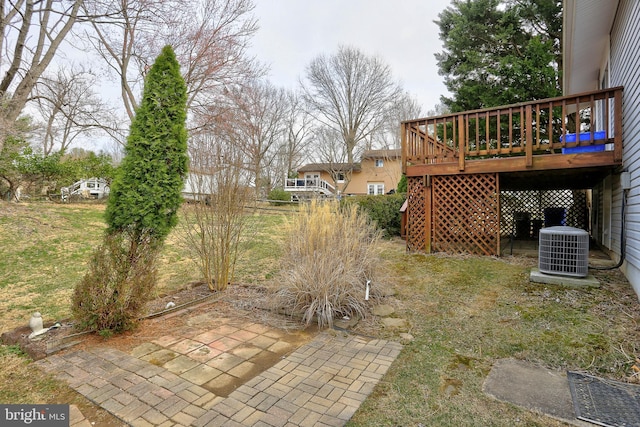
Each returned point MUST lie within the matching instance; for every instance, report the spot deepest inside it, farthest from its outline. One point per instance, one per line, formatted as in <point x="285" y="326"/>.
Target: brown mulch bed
<point x="237" y="301"/>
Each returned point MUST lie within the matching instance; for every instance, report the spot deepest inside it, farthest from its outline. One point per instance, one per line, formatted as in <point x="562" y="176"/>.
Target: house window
<point x="312" y="179"/>
<point x="340" y="177"/>
<point x="375" y="189"/>
<point x="379" y="163"/>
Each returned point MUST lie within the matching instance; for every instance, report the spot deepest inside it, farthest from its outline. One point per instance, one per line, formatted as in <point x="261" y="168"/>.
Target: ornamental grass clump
<point x="330" y="255"/>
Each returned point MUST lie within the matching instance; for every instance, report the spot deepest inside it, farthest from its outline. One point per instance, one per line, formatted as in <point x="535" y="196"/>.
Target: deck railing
<point x="309" y="185"/>
<point x="580" y="123"/>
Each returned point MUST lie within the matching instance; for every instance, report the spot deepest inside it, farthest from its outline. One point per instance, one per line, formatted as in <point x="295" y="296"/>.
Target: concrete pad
<point x="262" y="341"/>
<point x="204" y="354"/>
<point x="186" y="346"/>
<point x="532" y="387"/>
<point x="160" y="357"/>
<point x="225" y="362"/>
<point x="246" y="351"/>
<point x="166" y="340"/>
<point x="208" y="337"/>
<point x="220" y="382"/>
<point x="201" y="374"/>
<point x="242" y="369"/>
<point x="180" y="364"/>
<point x="243" y="335"/>
<point x="144" y="349"/>
<point x="573" y="282"/>
<point x="280" y="347"/>
<point x="225" y="344"/>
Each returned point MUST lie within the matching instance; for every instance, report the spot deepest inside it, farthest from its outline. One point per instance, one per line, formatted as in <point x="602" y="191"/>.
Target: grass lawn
<point x="465" y="312"/>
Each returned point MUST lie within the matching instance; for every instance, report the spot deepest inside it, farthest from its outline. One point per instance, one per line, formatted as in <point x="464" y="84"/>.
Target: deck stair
<point x="301" y="188"/>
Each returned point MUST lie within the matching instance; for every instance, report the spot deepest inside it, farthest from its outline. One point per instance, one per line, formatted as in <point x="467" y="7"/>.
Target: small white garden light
<point x="35" y="323"/>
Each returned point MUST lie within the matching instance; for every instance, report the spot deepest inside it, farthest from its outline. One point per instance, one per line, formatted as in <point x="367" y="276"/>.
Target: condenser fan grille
<point x="564" y="251"/>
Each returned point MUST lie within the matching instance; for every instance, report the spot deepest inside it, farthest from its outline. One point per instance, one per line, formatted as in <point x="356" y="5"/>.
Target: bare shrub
<point x="330" y="255"/>
<point x="216" y="218"/>
<point x="112" y="294"/>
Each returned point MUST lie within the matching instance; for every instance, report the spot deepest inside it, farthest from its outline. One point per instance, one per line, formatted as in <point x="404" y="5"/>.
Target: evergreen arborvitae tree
<point x="147" y="192"/>
<point x="145" y="196"/>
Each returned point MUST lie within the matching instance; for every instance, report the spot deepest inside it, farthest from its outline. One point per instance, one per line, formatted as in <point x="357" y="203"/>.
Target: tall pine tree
<point x="145" y="197"/>
<point x="498" y="52"/>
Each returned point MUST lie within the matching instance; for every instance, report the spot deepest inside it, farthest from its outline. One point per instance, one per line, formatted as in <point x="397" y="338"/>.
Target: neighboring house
<point x="479" y="178"/>
<point x="198" y="186"/>
<point x="378" y="172"/>
<point x="602" y="50"/>
<point x="92" y="188"/>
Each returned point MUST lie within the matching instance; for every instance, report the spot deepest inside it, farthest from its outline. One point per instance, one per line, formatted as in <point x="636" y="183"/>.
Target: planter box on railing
<point x="583" y="136"/>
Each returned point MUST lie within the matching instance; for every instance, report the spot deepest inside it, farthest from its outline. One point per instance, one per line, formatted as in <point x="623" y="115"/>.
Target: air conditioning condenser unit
<point x="563" y="251"/>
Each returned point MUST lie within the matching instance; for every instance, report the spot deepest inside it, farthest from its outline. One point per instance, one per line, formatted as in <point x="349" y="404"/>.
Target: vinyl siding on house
<point x="625" y="71"/>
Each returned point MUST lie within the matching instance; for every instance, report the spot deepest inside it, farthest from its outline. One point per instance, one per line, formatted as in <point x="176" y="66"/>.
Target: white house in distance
<point x="92" y="188"/>
<point x="602" y="50"/>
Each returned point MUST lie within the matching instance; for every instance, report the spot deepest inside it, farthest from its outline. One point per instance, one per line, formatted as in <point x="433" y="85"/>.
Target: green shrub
<point x="278" y="194"/>
<point x="113" y="293"/>
<point x="383" y="210"/>
<point x="329" y="256"/>
<point x="402" y="185"/>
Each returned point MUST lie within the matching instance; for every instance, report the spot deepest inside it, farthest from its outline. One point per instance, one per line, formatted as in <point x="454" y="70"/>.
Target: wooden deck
<point x="460" y="166"/>
<point x="580" y="133"/>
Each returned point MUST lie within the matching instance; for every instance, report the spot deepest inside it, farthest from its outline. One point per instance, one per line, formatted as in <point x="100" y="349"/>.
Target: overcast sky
<point x="401" y="32"/>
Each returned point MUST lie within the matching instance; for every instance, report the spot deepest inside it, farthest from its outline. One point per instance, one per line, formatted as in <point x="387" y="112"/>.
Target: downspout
<point x="623" y="243"/>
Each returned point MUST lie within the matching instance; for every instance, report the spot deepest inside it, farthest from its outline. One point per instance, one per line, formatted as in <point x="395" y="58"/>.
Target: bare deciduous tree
<point x="295" y="146"/>
<point x="259" y="111"/>
<point x="292" y="150"/>
<point x="31" y="31"/>
<point x="404" y="108"/>
<point x="332" y="157"/>
<point x="210" y="38"/>
<point x="117" y="31"/>
<point x="351" y="93"/>
<point x="70" y="107"/>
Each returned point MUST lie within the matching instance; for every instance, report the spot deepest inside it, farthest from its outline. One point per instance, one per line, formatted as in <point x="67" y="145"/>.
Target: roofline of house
<point x="329" y="167"/>
<point x="382" y="154"/>
<point x="586" y="25"/>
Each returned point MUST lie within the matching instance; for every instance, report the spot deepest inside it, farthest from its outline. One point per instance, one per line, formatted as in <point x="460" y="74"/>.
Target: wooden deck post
<point x="403" y="151"/>
<point x="529" y="136"/>
<point x="499" y="212"/>
<point x="461" y="142"/>
<point x="428" y="223"/>
<point x="617" y="140"/>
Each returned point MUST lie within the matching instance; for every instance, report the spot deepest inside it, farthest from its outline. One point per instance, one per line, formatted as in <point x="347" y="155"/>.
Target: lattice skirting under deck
<point x="466" y="214"/>
<point x="417" y="214"/>
<point x="455" y="214"/>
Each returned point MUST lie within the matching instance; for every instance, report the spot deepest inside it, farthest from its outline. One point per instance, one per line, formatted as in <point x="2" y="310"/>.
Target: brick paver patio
<point x="218" y="377"/>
